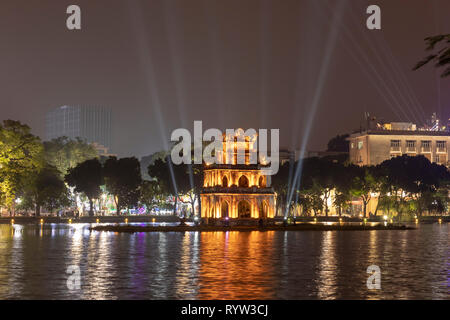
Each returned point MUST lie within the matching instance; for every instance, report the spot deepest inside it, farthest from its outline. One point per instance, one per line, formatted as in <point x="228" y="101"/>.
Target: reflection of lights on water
<point x="12" y="221"/>
<point x="440" y="220"/>
<point x="126" y="220"/>
<point x="42" y="221"/>
<point x="417" y="221"/>
<point x="17" y="231"/>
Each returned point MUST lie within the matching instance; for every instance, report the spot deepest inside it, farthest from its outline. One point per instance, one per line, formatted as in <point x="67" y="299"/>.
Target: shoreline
<point x="206" y="228"/>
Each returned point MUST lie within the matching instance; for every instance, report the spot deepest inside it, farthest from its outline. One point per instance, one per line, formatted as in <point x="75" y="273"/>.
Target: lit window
<point x="437" y="159"/>
<point x="426" y="145"/>
<point x="360" y="144"/>
<point x="410" y="144"/>
<point x="441" y="144"/>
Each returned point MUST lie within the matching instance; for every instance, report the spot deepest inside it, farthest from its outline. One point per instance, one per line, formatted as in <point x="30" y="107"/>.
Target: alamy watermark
<point x="241" y="147"/>
<point x="74" y="279"/>
<point x="374" y="280"/>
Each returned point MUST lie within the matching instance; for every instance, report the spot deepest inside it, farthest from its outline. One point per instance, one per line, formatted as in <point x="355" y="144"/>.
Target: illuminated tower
<point x="236" y="190"/>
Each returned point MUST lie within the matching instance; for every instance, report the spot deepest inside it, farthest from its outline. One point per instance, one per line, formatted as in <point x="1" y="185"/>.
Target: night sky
<point x="300" y="66"/>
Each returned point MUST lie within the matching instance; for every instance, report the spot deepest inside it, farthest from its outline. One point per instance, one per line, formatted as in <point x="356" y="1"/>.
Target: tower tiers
<point x="237" y="192"/>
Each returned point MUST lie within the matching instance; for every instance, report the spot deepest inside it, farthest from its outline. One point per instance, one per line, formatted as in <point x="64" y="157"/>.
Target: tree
<point x="441" y="56"/>
<point x="123" y="180"/>
<point x="65" y="153"/>
<point x="87" y="178"/>
<point x="189" y="180"/>
<point x="46" y="189"/>
<point x="281" y="184"/>
<point x="343" y="176"/>
<point x="310" y="198"/>
<point x="339" y="143"/>
<point x="363" y="185"/>
<point x="151" y="195"/>
<point x="318" y="180"/>
<point x="413" y="182"/>
<point x="20" y="155"/>
<point x="162" y="171"/>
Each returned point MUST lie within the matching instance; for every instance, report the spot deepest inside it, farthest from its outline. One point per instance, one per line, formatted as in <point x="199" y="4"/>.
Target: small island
<point x="244" y="228"/>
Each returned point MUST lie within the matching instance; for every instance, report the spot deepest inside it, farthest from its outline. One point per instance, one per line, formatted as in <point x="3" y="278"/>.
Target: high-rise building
<point x="91" y="123"/>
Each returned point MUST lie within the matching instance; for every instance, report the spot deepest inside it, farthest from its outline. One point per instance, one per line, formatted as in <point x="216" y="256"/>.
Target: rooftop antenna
<point x="367" y="119"/>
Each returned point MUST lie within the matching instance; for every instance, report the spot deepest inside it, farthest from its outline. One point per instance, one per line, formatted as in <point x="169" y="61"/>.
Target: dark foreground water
<point x="215" y="265"/>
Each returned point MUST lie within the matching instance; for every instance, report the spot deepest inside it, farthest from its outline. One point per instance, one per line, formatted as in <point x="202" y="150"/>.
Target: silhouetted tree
<point x="87" y="178"/>
<point x="339" y="143"/>
<point x="65" y="153"/>
<point x="122" y="180"/>
<point x="440" y="56"/>
<point x="45" y="188"/>
<point x="363" y="185"/>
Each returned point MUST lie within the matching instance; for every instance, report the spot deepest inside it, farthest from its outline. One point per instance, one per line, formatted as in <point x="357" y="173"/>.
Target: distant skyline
<point x="310" y="68"/>
<point x="91" y="123"/>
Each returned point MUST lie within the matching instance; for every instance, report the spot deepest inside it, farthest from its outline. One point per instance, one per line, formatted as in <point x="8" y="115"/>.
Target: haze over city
<point x="161" y="65"/>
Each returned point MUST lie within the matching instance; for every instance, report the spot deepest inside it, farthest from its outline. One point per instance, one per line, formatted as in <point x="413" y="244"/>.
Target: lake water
<point x="217" y="265"/>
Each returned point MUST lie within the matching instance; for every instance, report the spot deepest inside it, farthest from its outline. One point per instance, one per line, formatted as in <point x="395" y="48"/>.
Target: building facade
<point x="376" y="146"/>
<point x="91" y="123"/>
<point x="236" y="191"/>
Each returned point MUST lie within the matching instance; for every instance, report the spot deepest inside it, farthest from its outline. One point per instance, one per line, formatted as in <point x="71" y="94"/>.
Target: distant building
<point x="328" y="154"/>
<point x="374" y="146"/>
<point x="91" y="123"/>
<point x="285" y="155"/>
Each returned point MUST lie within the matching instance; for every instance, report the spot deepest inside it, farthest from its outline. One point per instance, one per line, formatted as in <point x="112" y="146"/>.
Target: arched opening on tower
<point x="263" y="210"/>
<point x="243" y="182"/>
<point x="224" y="181"/>
<point x="261" y="182"/>
<point x="244" y="209"/>
<point x="224" y="209"/>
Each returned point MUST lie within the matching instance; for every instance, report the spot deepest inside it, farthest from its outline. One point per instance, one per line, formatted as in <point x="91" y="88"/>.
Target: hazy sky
<point x="300" y="66"/>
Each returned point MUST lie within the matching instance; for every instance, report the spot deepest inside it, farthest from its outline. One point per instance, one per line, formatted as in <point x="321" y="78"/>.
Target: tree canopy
<point x="21" y="153"/>
<point x="123" y="180"/>
<point x="440" y="47"/>
<point x="65" y="153"/>
<point x="86" y="178"/>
